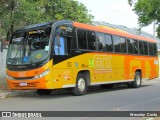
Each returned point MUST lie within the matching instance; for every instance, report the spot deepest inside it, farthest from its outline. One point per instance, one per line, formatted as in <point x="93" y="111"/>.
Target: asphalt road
<point x="121" y="98"/>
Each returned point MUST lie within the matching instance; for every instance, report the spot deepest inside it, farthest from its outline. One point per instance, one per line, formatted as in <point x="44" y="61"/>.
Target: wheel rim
<point x="81" y="84"/>
<point x="138" y="80"/>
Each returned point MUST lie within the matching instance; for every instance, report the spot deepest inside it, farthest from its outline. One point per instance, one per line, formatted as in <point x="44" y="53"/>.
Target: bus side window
<point x="130" y="46"/>
<point x="154" y="49"/>
<point x="116" y="43"/>
<point x="101" y="42"/>
<point x="150" y="49"/>
<point x="141" y="47"/>
<point x="145" y="48"/>
<point x="82" y="41"/>
<point x="122" y="42"/>
<point x="135" y="46"/>
<point x="109" y="43"/>
<point x="91" y="40"/>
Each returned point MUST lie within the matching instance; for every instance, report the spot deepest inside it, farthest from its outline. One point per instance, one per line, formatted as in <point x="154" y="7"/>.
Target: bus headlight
<point x="9" y="77"/>
<point x="42" y="74"/>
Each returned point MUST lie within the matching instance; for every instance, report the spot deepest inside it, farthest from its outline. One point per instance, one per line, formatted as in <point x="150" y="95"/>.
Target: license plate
<point x="23" y="84"/>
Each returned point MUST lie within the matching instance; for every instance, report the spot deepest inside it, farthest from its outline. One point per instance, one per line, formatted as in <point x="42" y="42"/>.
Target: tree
<point x="147" y="11"/>
<point x="17" y="13"/>
<point x="64" y="9"/>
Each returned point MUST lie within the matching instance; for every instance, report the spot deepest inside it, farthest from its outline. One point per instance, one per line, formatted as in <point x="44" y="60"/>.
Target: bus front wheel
<point x="81" y="85"/>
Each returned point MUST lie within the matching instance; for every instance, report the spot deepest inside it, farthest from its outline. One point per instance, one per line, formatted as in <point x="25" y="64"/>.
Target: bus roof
<point x="40" y="25"/>
<point x="107" y="30"/>
<point x="112" y="31"/>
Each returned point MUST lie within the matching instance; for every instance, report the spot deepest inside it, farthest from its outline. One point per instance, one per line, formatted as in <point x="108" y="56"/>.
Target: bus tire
<point x="137" y="80"/>
<point x="81" y="85"/>
<point x="43" y="92"/>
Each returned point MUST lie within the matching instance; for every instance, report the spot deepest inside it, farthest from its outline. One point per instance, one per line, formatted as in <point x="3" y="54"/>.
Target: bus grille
<point x="33" y="84"/>
<point x="23" y="78"/>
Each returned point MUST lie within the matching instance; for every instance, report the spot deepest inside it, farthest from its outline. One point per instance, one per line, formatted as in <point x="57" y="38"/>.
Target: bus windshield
<point x="29" y="47"/>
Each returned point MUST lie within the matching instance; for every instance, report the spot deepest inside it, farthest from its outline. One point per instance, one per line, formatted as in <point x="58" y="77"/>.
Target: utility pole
<point x="154" y="26"/>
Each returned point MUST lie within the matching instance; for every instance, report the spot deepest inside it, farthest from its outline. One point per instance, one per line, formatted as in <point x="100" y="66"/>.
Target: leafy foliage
<point x="17" y="13"/>
<point x="65" y="9"/>
<point x="147" y="10"/>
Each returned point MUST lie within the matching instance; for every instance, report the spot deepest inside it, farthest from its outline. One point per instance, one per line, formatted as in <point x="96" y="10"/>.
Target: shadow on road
<point x="61" y="93"/>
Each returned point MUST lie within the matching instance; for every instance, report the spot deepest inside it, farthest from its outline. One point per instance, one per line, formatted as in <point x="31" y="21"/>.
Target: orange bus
<point x="66" y="54"/>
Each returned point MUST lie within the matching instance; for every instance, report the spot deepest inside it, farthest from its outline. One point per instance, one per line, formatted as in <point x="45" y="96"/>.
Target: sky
<point x="115" y="12"/>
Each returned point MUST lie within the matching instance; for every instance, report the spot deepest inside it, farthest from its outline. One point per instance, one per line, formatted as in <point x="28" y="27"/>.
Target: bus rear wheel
<point x="137" y="80"/>
<point x="44" y="92"/>
<point x="81" y="85"/>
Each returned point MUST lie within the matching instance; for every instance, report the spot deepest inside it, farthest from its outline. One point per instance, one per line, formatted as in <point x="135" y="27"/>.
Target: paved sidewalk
<point x="3" y="84"/>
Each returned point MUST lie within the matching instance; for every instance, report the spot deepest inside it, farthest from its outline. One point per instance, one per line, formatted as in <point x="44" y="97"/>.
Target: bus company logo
<point x="103" y="62"/>
<point x="21" y="74"/>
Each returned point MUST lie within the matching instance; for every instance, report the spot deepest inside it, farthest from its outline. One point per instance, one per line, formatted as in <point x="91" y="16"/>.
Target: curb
<point x="16" y="93"/>
<point x="8" y="94"/>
